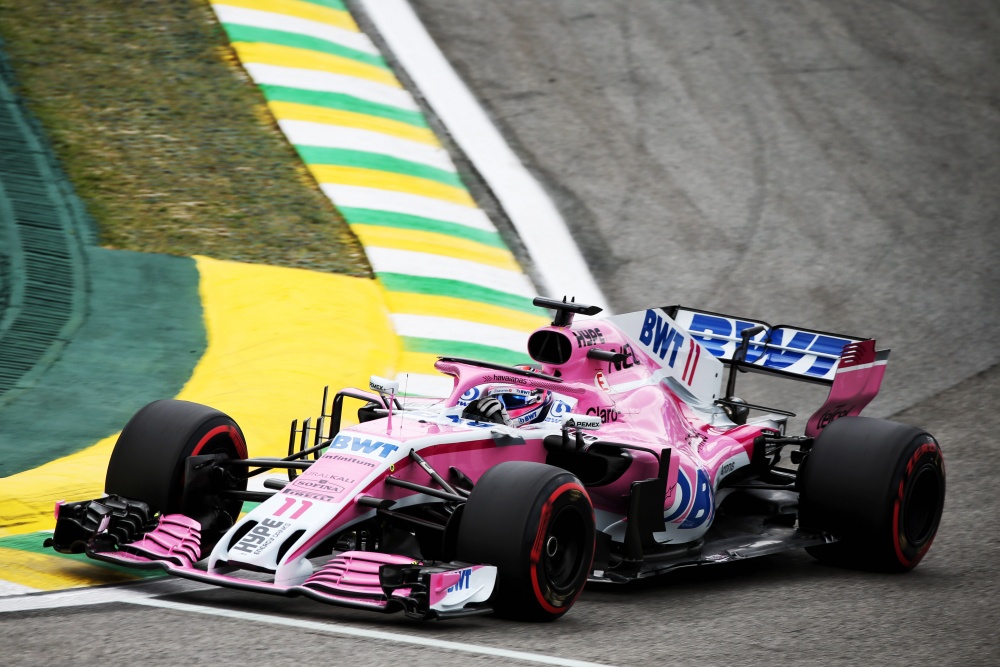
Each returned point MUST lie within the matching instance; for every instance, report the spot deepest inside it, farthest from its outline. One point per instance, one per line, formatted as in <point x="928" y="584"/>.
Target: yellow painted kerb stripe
<point x="385" y="180"/>
<point x="51" y="573"/>
<point x="360" y="121"/>
<point x="435" y="244"/>
<point x="289" y="56"/>
<point x="303" y="10"/>
<point x="461" y="309"/>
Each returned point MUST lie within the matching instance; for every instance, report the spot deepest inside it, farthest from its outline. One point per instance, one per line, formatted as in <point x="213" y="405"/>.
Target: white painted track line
<point x="363" y="633"/>
<point x="80" y="597"/>
<point x="553" y="251"/>
<point x="140" y="595"/>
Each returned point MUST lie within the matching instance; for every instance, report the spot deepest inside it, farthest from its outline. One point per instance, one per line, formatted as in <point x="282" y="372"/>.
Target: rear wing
<point x="790" y="351"/>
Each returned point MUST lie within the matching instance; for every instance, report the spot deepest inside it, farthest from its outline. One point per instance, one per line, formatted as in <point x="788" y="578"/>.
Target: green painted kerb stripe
<point x="368" y="216"/>
<point x="342" y="102"/>
<point x="317" y="155"/>
<point x="451" y="348"/>
<point x="246" y="33"/>
<point x="332" y="4"/>
<point x="399" y="282"/>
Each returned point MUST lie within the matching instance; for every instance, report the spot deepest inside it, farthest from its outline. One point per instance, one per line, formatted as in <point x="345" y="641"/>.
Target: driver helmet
<point x="524" y="405"/>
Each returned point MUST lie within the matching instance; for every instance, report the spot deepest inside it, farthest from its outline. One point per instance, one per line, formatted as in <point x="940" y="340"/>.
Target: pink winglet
<point x="177" y="539"/>
<point x="354" y="572"/>
<point x="59" y="504"/>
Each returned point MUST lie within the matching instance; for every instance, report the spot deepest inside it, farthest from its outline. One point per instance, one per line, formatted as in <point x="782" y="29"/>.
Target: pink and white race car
<point x="623" y="454"/>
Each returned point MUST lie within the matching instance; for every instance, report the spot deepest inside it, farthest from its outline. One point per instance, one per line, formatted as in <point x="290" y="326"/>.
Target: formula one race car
<point x="623" y="454"/>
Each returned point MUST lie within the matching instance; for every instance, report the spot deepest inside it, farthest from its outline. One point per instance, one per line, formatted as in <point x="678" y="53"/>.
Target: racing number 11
<point x="306" y="504"/>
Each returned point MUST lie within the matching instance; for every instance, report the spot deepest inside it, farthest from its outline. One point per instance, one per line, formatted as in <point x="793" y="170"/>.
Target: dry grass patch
<point x="164" y="136"/>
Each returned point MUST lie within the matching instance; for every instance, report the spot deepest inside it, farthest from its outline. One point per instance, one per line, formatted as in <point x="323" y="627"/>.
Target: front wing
<point x="374" y="581"/>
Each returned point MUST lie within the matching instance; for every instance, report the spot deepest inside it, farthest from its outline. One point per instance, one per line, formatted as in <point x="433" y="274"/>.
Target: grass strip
<point x="164" y="136"/>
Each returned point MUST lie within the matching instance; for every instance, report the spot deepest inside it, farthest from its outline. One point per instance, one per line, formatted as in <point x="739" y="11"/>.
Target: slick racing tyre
<point x="535" y="523"/>
<point x="878" y="487"/>
<point x="148" y="462"/>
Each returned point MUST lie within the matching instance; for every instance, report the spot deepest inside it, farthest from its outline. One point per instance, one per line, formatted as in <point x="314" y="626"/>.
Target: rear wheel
<point x="876" y="485"/>
<point x="148" y="462"/>
<point x="535" y="523"/>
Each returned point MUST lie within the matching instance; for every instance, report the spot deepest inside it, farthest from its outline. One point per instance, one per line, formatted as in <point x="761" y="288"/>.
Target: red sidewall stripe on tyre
<point x="234" y="435"/>
<point x="536" y="549"/>
<point x="900" y="494"/>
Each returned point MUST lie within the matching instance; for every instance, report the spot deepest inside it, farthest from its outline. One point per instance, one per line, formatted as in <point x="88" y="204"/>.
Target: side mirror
<point x="383" y="385"/>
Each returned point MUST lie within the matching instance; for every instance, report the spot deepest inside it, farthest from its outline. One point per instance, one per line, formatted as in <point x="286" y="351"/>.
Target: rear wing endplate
<point x="790" y="351"/>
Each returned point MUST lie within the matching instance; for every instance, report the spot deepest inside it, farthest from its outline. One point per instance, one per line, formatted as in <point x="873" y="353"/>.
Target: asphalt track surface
<point x="830" y="165"/>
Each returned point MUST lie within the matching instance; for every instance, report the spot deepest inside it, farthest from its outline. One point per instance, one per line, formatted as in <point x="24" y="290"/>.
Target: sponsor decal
<point x="455" y="419"/>
<point x="581" y="421"/>
<point x="291" y="502"/>
<point x="663" y="340"/>
<point x="469" y="396"/>
<point x="260" y="536"/>
<point x="629" y="361"/>
<point x="835" y="412"/>
<point x="588" y="337"/>
<point x="349" y="459"/>
<point x="529" y="416"/>
<point x="558" y="409"/>
<point x="602" y="382"/>
<point x="366" y="446"/>
<point x="606" y="414"/>
<point x="786" y="347"/>
<point x="457" y="588"/>
<point x="303" y="493"/>
<point x="331" y="477"/>
<point x="513" y="379"/>
<point x="318" y="484"/>
<point x="383" y="385"/>
<point x="510" y="391"/>
<point x="691" y="365"/>
<point x="726" y="469"/>
<point x="464" y="581"/>
<point x="702" y="506"/>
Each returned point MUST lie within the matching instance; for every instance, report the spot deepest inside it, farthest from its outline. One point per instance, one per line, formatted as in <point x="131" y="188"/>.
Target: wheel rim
<point x="564" y="551"/>
<point x="922" y="505"/>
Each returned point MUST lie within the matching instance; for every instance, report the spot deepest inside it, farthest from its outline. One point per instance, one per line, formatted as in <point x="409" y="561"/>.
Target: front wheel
<point x="148" y="462"/>
<point x="877" y="486"/>
<point x="535" y="523"/>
